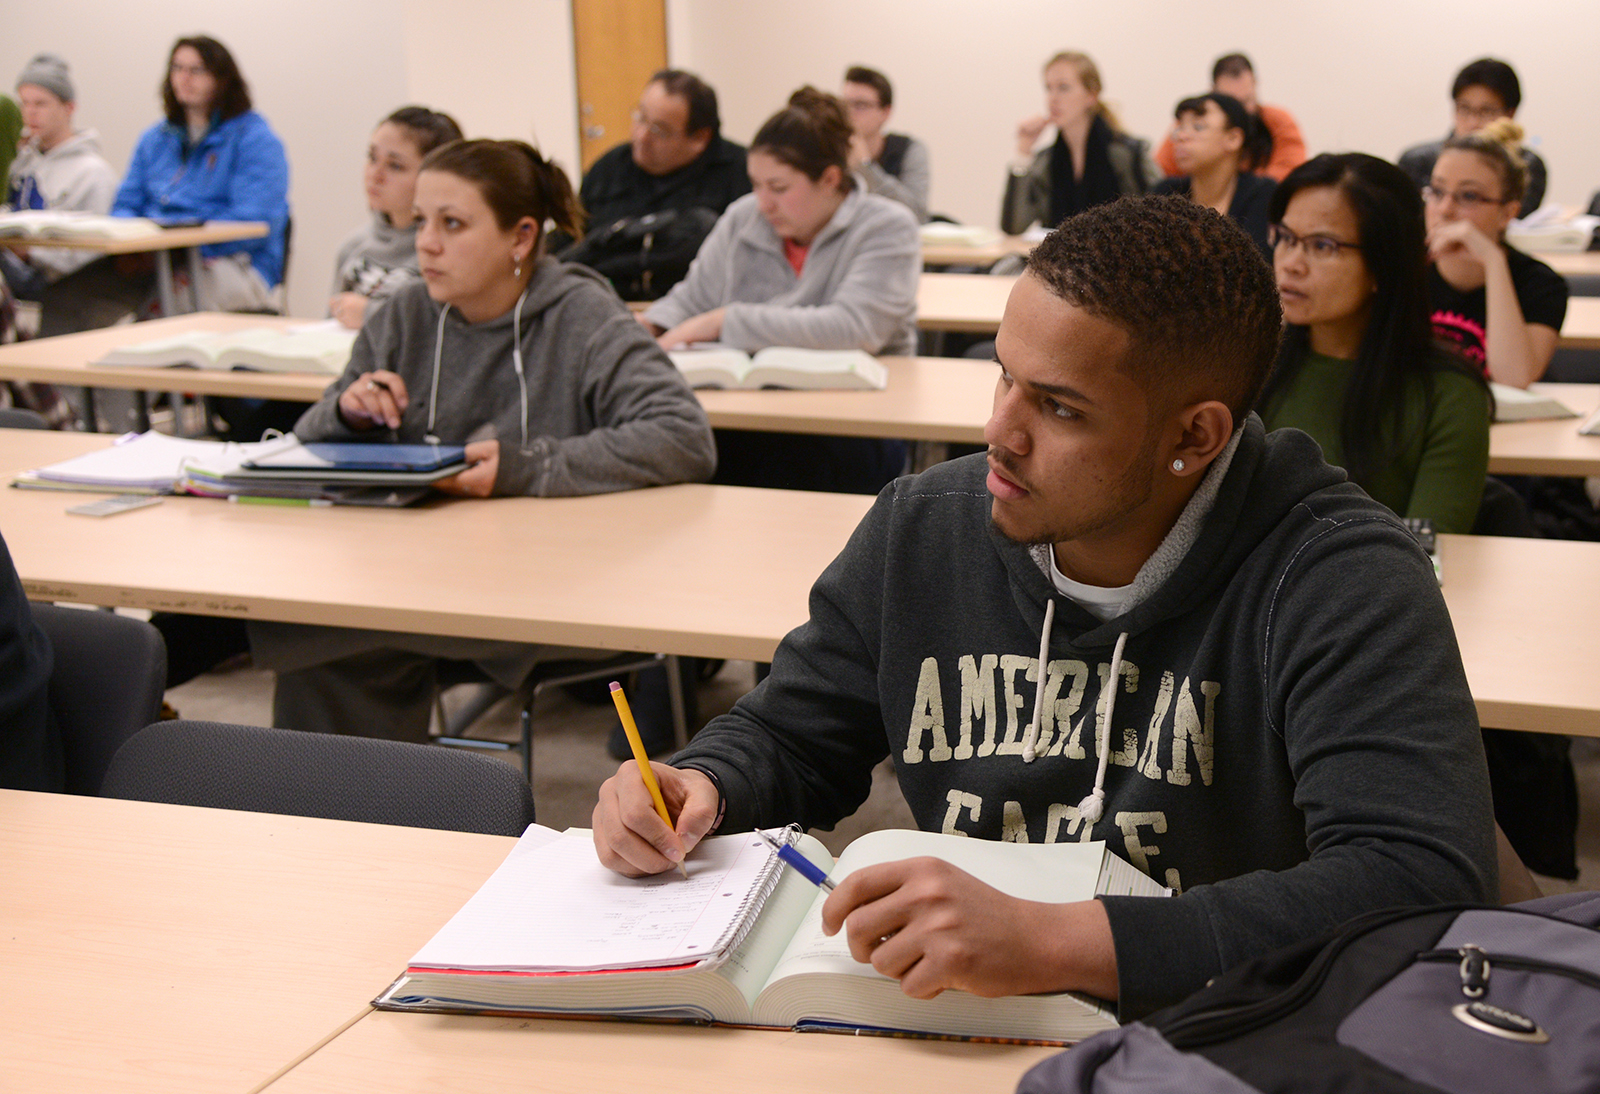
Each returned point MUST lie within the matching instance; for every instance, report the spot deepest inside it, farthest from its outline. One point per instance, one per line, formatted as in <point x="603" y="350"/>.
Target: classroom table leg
<point x="194" y="280"/>
<point x="164" y="291"/>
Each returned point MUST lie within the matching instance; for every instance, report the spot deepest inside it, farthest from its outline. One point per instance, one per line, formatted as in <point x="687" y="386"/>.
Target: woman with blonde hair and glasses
<point x="1358" y="369"/>
<point x="1091" y="161"/>
<point x="1501" y="308"/>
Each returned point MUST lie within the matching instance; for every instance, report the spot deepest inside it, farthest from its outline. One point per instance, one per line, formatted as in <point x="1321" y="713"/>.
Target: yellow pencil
<point x="642" y="759"/>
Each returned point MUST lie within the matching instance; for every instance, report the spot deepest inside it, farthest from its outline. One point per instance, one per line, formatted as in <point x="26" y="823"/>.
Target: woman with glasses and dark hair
<point x="1217" y="144"/>
<point x="382" y="256"/>
<point x="211" y="158"/>
<point x="1501" y="308"/>
<point x="1358" y="368"/>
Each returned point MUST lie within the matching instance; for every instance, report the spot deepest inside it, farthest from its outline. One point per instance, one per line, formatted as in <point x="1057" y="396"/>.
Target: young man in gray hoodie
<point x="1289" y="740"/>
<point x="58" y="167"/>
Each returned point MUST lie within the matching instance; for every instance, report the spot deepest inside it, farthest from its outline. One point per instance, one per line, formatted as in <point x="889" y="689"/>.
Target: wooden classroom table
<point x="708" y="571"/>
<point x="1551" y="446"/>
<point x="170" y="949"/>
<point x="68" y="359"/>
<point x="425" y="1054"/>
<point x="189" y="239"/>
<point x="1581" y="330"/>
<point x="1571" y="263"/>
<point x="981" y="254"/>
<point x="975" y="303"/>
<point x="940" y="399"/>
<point x="972" y="303"/>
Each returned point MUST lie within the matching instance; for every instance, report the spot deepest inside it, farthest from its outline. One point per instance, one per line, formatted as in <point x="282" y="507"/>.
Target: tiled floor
<point x="570" y="760"/>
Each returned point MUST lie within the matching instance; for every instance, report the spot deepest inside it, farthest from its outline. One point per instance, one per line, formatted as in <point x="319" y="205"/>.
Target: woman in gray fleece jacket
<point x="535" y="366"/>
<point x="806" y="260"/>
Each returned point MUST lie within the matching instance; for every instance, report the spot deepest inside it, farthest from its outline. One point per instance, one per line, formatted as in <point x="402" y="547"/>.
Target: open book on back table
<point x="711" y="364"/>
<point x="553" y="932"/>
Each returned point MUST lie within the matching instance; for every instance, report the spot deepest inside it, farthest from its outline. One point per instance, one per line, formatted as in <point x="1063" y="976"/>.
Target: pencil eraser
<point x="615" y="686"/>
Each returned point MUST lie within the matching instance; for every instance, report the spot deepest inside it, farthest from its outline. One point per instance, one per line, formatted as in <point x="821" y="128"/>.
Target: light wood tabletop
<point x="1581" y="330"/>
<point x="975" y="304"/>
<point x="943" y="253"/>
<point x="417" y="1053"/>
<point x="169" y="239"/>
<point x="168" y="949"/>
<point x="161" y="245"/>
<point x="928" y="398"/>
<point x="710" y="571"/>
<point x="1524" y="612"/>
<point x="69" y="359"/>
<point x="1571" y="263"/>
<point x="1550" y="446"/>
<point x="971" y="303"/>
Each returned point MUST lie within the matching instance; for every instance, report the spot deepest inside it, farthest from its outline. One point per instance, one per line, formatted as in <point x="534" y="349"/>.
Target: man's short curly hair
<point x="1189" y="287"/>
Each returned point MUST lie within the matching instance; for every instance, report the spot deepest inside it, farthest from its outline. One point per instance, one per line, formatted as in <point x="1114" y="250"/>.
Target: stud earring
<point x="1177" y="466"/>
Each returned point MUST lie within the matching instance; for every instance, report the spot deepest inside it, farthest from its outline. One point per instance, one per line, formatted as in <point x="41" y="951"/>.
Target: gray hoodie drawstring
<point x="1093" y="805"/>
<point x="1032" y="738"/>
<point x="516" y="361"/>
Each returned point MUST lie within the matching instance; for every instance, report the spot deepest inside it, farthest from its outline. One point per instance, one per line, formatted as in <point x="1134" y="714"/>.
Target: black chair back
<point x="109" y="675"/>
<point x="320" y="775"/>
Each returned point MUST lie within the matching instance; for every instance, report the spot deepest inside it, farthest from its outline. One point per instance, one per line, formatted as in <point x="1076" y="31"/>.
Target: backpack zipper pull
<point x="1474" y="971"/>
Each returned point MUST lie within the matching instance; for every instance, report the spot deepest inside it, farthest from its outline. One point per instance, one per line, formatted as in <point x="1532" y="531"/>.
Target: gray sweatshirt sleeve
<point x="871" y="308"/>
<point x="911" y="188"/>
<point x="1380" y="731"/>
<point x="650" y="431"/>
<point x="705" y="286"/>
<point x="93" y="188"/>
<point x="321" y="422"/>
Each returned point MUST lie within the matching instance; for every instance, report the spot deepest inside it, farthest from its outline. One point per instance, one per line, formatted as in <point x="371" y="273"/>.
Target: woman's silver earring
<point x="1177" y="467"/>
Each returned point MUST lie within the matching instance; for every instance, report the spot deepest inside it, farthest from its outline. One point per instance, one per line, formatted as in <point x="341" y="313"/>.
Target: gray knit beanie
<point x="48" y="71"/>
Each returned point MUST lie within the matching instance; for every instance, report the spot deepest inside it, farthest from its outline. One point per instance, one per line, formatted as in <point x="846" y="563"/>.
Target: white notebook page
<point x="551" y="906"/>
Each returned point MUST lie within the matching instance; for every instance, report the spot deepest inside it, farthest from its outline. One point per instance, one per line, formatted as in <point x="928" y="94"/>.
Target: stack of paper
<point x="147" y="463"/>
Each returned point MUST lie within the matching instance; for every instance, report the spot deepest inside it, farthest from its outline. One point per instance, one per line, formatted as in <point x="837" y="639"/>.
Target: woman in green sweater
<point x="1358" y="369"/>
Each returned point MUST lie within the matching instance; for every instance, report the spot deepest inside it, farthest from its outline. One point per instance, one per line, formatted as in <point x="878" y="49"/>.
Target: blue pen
<point x="804" y="866"/>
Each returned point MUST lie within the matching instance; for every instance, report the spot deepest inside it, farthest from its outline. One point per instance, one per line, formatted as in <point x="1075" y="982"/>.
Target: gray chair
<point x="20" y="417"/>
<point x="320" y="775"/>
<point x="106" y="685"/>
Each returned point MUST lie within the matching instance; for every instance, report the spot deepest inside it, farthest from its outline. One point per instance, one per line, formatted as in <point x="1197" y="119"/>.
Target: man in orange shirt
<point x="1233" y="75"/>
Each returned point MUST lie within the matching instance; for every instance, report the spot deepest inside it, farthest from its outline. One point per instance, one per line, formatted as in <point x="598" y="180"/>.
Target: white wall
<point x="322" y="73"/>
<point x="1366" y="74"/>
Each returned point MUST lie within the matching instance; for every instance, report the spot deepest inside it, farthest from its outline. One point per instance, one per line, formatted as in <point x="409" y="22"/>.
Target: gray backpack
<point x="1468" y="1000"/>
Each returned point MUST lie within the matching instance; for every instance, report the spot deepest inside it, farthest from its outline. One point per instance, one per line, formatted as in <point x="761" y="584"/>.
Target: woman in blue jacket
<point x="211" y="158"/>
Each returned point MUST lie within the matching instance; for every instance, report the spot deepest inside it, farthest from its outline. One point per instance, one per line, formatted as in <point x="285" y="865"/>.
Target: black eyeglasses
<point x="1318" y="247"/>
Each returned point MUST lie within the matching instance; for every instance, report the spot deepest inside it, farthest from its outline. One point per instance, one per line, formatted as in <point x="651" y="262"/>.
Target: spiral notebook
<point x="553" y="932"/>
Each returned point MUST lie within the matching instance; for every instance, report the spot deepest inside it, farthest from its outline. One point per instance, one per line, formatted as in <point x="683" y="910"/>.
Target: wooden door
<point x="617" y="45"/>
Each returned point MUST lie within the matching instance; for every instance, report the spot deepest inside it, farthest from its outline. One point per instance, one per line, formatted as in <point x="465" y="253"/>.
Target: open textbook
<point x="740" y="942"/>
<point x="714" y="365"/>
<point x="312" y="347"/>
<point x="1514" y="404"/>
<point x="65" y="224"/>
